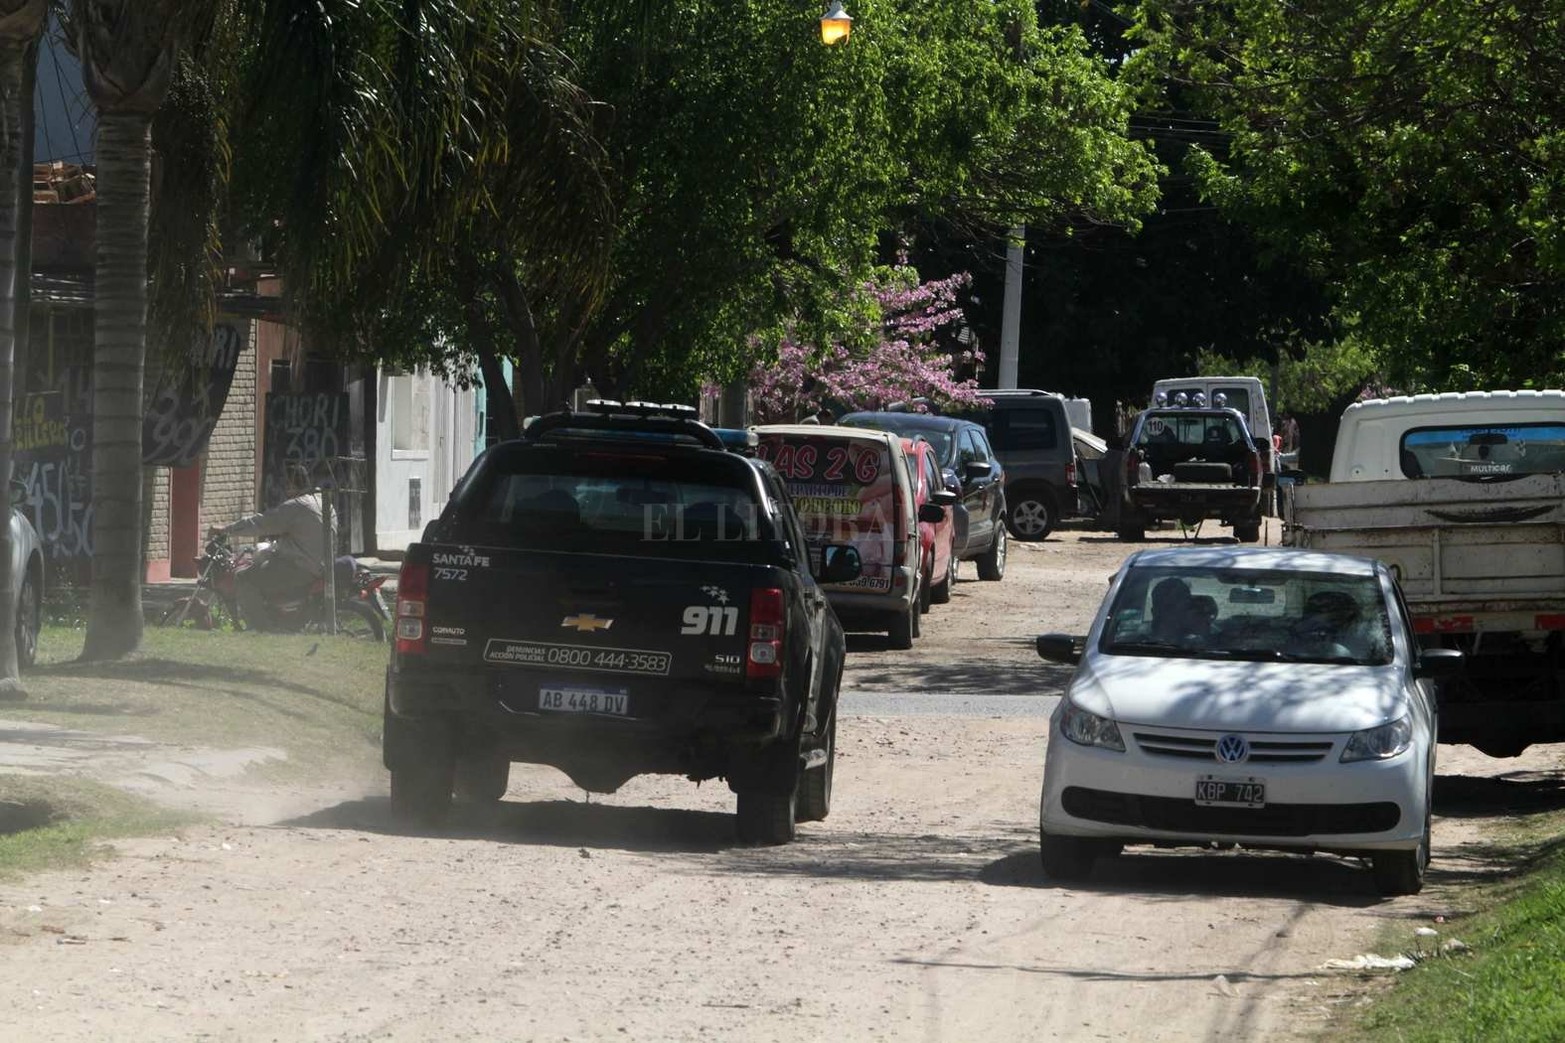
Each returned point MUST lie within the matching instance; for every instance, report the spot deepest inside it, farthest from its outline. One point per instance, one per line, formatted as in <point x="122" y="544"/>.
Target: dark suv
<point x="969" y="468"/>
<point x="1031" y="432"/>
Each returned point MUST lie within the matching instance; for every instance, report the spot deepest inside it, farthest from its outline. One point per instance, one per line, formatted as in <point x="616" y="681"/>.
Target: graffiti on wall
<point x="306" y="437"/>
<point x="188" y="401"/>
<point x="52" y="431"/>
<point x="53" y="460"/>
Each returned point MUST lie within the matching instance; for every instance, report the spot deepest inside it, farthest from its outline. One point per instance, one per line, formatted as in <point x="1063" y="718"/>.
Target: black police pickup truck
<point x="1191" y="464"/>
<point x="614" y="594"/>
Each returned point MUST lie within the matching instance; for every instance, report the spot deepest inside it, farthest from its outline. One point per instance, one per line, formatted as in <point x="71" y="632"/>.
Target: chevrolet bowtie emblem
<point x="586" y="623"/>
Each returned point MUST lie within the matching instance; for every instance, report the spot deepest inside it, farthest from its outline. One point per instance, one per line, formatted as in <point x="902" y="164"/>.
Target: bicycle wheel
<point x="359" y="621"/>
<point x="192" y="609"/>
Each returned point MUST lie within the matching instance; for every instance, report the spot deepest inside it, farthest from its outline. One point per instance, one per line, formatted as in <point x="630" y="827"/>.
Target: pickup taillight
<point x="1254" y="467"/>
<point x="412" y="601"/>
<point x="1132" y="467"/>
<point x="1070" y="474"/>
<point x="768" y="623"/>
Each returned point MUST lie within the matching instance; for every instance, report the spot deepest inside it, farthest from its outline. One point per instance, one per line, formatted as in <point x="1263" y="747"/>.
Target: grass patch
<point x="317" y="697"/>
<point x="50" y="823"/>
<point x="1508" y="985"/>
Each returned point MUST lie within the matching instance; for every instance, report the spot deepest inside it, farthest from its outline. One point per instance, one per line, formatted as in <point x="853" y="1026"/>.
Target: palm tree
<point x="385" y="145"/>
<point x="127" y="50"/>
<point x="21" y="22"/>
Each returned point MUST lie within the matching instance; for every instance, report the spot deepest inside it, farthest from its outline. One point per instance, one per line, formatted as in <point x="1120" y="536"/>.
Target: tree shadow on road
<point x="973" y="677"/>
<point x="553" y="823"/>
<point x="1505" y="794"/>
<point x="154" y="670"/>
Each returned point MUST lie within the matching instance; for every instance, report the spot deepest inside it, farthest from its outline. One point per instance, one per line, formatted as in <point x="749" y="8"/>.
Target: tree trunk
<point x="16" y="190"/>
<point x="502" y="408"/>
<point x="119" y="355"/>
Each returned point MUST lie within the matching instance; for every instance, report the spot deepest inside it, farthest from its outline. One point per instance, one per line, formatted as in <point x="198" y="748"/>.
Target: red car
<point x="936" y="539"/>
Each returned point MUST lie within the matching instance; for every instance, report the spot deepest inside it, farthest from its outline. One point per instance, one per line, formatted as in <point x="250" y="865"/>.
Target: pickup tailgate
<point x="1456" y="545"/>
<point x="587" y="632"/>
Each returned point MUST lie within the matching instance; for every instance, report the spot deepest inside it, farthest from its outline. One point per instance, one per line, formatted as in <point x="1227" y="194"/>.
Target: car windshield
<point x="1213" y="612"/>
<point x="941" y="440"/>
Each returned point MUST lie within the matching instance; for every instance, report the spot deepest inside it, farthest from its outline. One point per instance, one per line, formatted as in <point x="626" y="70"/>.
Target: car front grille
<point x="1186" y="816"/>
<point x="1262" y="751"/>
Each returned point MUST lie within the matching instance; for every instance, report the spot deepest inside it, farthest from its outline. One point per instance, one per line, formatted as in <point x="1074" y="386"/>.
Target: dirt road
<point x="916" y="912"/>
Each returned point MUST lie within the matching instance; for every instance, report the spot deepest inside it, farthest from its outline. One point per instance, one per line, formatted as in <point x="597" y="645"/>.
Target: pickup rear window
<point x="1476" y="451"/>
<point x="1192" y="430"/>
<point x="648" y="504"/>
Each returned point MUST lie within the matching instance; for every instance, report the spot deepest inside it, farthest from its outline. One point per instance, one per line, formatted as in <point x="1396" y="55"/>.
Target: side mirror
<point x="953" y="484"/>
<point x="1061" y="648"/>
<point x="840" y="563"/>
<point x="1293" y="474"/>
<point x="932" y="513"/>
<point x="18" y="492"/>
<point x="976" y="469"/>
<point x="943" y="498"/>
<point x="1438" y="663"/>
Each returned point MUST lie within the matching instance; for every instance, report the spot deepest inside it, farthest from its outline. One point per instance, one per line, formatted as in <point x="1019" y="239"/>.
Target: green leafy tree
<point x="416" y="169"/>
<point x="757" y="175"/>
<point x="1410" y="153"/>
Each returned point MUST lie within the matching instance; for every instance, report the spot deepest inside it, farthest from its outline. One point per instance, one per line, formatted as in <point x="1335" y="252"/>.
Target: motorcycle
<point x="360" y="611"/>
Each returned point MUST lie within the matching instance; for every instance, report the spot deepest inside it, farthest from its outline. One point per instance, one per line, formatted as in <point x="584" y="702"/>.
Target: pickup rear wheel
<point x="1248" y="532"/>
<point x="767" y="818"/>
<point x="482" y="779"/>
<point x="421" y="791"/>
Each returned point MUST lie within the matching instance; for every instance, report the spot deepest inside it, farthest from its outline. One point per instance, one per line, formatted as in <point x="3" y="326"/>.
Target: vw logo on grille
<point x="1231" y="749"/>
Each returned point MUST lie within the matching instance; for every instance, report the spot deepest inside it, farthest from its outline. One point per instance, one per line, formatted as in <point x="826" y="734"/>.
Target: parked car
<point x="614" y="594"/>
<point x="1191" y="464"/>
<point x="936" y="538"/>
<point x="1269" y="698"/>
<point x="969" y="468"/>
<point x="1031" y="433"/>
<point x="853" y="486"/>
<point x="26" y="583"/>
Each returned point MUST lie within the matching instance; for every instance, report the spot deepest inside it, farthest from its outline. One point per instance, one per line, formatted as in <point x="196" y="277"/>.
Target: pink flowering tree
<point x="911" y="352"/>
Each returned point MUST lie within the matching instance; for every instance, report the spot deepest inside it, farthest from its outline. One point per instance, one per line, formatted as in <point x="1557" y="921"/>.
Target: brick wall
<point x="228" y="477"/>
<point x="155" y="489"/>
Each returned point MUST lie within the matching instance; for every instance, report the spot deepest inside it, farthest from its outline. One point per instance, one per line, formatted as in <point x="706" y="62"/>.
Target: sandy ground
<point x="916" y="912"/>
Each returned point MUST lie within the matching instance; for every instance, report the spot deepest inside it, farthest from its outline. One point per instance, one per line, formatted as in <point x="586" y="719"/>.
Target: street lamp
<point x="836" y="24"/>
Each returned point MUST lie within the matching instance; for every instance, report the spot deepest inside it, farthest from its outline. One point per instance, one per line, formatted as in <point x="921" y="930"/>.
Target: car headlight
<point x="1378" y="744"/>
<point x="1088" y="729"/>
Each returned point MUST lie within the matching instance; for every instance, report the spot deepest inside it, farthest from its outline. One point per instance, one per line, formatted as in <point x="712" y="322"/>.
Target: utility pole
<point x="1011" y="311"/>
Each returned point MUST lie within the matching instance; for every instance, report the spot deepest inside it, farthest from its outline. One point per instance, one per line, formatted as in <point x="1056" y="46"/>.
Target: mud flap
<point x="772" y="769"/>
<point x="409" y="742"/>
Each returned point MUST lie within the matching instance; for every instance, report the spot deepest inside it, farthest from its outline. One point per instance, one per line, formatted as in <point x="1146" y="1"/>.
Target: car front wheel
<point x="27" y="624"/>
<point x="1402" y="872"/>
<point x="1067" y="858"/>
<point x="991" y="564"/>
